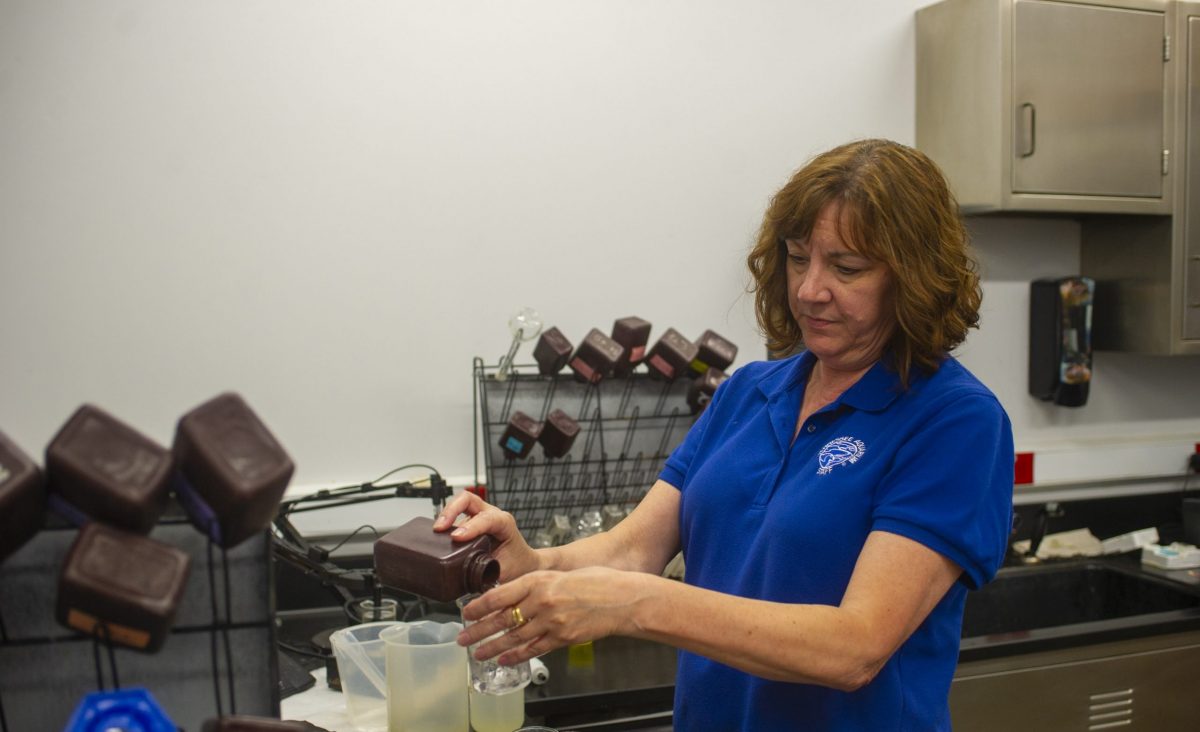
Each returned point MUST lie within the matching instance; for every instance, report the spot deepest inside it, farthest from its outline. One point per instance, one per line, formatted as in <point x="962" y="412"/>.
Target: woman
<point x="833" y="507"/>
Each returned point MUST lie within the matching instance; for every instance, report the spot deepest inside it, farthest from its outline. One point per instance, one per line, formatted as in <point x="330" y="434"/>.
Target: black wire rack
<point x="628" y="427"/>
<point x="222" y="638"/>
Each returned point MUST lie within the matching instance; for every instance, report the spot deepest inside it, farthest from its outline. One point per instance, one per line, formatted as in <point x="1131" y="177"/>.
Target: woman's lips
<point x="817" y="323"/>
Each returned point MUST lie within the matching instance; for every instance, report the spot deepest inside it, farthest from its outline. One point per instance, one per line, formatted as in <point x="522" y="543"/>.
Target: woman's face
<point x="840" y="299"/>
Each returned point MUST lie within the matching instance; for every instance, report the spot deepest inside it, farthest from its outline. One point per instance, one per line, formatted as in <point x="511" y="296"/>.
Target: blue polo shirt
<point x="766" y="517"/>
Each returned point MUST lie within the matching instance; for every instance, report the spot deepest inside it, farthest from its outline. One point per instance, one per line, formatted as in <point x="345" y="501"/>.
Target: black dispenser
<point x="1060" y="339"/>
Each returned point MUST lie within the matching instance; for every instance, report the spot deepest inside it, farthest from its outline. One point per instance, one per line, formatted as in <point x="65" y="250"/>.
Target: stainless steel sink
<point x="1074" y="600"/>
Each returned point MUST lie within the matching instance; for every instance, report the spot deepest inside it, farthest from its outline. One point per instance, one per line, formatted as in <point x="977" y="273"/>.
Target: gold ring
<point x="517" y="618"/>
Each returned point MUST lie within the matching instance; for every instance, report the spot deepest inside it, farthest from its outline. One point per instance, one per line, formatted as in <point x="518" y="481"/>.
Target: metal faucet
<point x="1050" y="510"/>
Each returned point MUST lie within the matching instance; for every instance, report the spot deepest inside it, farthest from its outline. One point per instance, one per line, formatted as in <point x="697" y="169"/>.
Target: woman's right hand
<point x="516" y="557"/>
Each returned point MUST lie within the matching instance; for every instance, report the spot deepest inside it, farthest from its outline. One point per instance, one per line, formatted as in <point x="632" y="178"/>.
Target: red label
<point x="1023" y="469"/>
<point x="661" y="366"/>
<point x="479" y="490"/>
<point x="635" y="356"/>
<point x="581" y="368"/>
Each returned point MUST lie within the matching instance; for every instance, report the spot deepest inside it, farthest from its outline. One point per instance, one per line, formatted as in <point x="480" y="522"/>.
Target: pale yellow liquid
<point x="497" y="712"/>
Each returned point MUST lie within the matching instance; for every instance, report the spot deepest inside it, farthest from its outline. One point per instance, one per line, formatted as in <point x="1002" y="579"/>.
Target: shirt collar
<point x="873" y="392"/>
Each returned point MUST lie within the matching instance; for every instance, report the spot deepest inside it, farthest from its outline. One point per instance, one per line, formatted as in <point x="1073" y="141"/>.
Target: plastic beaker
<point x="362" y="665"/>
<point x="367" y="611"/>
<point x="426" y="677"/>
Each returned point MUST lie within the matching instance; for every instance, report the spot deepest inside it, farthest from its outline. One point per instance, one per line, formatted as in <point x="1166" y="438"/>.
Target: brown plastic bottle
<point x="414" y="558"/>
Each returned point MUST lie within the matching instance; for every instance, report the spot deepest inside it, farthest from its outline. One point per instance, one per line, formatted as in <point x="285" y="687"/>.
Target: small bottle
<point x="496" y="695"/>
<point x="414" y="558"/>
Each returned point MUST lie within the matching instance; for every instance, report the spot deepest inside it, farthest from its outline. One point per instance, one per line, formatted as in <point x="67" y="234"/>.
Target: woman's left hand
<point x="558" y="609"/>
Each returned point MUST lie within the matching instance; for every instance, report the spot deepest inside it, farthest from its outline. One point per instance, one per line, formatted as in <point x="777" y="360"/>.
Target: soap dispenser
<point x="1060" y="339"/>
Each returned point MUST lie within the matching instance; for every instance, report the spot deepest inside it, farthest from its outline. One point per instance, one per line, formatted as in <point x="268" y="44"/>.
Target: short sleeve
<point x="950" y="487"/>
<point x="678" y="463"/>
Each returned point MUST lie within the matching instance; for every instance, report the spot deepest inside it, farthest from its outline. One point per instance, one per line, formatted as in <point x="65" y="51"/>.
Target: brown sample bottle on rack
<point x="22" y="498"/>
<point x="414" y="558"/>
<point x="129" y="584"/>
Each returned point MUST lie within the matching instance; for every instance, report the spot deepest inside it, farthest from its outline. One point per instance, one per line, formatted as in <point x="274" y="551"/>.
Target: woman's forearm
<point x="896" y="584"/>
<point x="815" y="644"/>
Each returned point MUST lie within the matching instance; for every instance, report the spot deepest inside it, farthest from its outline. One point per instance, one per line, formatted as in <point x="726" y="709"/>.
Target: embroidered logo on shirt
<point x="839" y="451"/>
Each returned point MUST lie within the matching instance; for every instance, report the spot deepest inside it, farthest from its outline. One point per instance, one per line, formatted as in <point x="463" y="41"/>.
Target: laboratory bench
<point x="1056" y="634"/>
<point x="1072" y="638"/>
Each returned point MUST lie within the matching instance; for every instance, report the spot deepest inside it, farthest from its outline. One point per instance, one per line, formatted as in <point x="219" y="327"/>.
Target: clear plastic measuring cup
<point x="426" y="677"/>
<point x="362" y="666"/>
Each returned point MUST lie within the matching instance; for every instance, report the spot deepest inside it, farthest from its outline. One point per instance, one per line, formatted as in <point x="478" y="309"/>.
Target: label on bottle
<point x="660" y="365"/>
<point x="122" y="634"/>
<point x="581" y="367"/>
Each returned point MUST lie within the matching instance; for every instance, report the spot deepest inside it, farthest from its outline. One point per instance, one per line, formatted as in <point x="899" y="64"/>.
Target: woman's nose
<point x="813" y="286"/>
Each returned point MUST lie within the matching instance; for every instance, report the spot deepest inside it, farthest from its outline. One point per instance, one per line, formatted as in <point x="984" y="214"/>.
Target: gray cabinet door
<point x="1088" y="100"/>
<point x="1191" y="226"/>
<point x="1154" y="691"/>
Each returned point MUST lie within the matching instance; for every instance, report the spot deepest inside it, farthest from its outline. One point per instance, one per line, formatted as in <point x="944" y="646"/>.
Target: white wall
<point x="332" y="207"/>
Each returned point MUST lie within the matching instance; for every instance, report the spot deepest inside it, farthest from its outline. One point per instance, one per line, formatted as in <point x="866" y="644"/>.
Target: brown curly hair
<point x="896" y="209"/>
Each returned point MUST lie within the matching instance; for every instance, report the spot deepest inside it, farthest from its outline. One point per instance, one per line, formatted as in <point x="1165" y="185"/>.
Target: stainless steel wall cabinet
<point x="1147" y="268"/>
<point x="1031" y="105"/>
<point x="1080" y="108"/>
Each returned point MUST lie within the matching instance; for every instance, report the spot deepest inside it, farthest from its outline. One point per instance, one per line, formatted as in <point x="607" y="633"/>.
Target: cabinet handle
<point x="1026" y="132"/>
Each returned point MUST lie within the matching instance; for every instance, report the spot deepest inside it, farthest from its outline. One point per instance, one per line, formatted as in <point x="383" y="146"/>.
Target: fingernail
<point x="439" y="521"/>
<point x="458" y="532"/>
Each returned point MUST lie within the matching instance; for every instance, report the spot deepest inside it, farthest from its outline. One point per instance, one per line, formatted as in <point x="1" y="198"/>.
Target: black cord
<point x="101" y="630"/>
<point x="298" y="650"/>
<point x="212" y="635"/>
<point x="3" y="719"/>
<point x="352" y="534"/>
<point x="341" y="501"/>
<point x="225" y="631"/>
<point x="348" y="609"/>
<point x="96" y="662"/>
<point x="393" y="471"/>
<point x="112" y="659"/>
<point x="331" y="493"/>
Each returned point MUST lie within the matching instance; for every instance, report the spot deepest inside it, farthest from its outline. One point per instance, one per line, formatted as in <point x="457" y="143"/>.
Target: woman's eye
<point x="798" y="258"/>
<point x="848" y="271"/>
